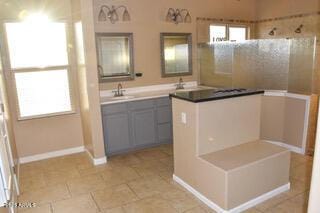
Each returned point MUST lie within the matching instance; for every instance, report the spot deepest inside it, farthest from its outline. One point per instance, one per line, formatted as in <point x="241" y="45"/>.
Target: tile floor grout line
<point x="95" y="202"/>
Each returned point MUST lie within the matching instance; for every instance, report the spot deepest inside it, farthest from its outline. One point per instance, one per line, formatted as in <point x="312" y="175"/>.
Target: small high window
<point x="226" y="32"/>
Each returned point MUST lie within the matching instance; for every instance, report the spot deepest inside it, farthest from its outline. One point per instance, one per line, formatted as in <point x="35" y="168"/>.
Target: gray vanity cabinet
<point x="116" y="127"/>
<point x="116" y="132"/>
<point x="137" y="124"/>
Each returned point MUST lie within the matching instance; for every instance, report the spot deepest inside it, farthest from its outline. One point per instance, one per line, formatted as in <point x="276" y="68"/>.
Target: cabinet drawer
<point x="137" y="105"/>
<point x="114" y="108"/>
<point x="163" y="101"/>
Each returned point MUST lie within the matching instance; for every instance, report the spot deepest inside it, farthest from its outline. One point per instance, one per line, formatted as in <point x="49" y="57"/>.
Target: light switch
<point x="183" y="118"/>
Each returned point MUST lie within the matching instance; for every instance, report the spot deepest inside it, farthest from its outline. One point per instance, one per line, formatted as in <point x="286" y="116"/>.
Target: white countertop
<point x="163" y="90"/>
<point x="148" y="92"/>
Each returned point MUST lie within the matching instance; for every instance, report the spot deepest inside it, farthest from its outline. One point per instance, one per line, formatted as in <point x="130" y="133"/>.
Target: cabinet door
<point x="116" y="133"/>
<point x="143" y="126"/>
<point x="165" y="133"/>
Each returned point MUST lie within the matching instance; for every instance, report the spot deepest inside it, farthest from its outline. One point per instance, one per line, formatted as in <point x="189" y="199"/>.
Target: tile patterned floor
<point x="139" y="182"/>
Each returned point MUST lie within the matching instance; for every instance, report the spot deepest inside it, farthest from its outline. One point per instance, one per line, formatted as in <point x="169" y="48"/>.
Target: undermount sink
<point x="125" y="97"/>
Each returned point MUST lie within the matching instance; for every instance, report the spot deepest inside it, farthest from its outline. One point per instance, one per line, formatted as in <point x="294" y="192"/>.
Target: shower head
<point x="299" y="29"/>
<point x="271" y="33"/>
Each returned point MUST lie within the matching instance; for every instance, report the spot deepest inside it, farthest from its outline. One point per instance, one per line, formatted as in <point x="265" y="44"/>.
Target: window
<point x="39" y="60"/>
<point x="225" y="32"/>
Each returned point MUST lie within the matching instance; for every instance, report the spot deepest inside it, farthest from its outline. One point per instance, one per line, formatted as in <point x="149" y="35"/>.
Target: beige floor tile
<point x="302" y="172"/>
<point x="125" y="160"/>
<point x="119" y="175"/>
<point x="78" y="204"/>
<point x="154" y="204"/>
<point x="272" y="202"/>
<point x="148" y="186"/>
<point x="297" y="187"/>
<point x="38" y="209"/>
<point x="86" y="184"/>
<point x="114" y="210"/>
<point x="179" y="200"/>
<point x="58" y="176"/>
<point x="252" y="210"/>
<point x="298" y="159"/>
<point x="91" y="170"/>
<point x="167" y="148"/>
<point x="151" y="154"/>
<point x="197" y="209"/>
<point x="112" y="197"/>
<point x="45" y="195"/>
<point x="167" y="161"/>
<point x="32" y="183"/>
<point x="147" y="174"/>
<point x="288" y="207"/>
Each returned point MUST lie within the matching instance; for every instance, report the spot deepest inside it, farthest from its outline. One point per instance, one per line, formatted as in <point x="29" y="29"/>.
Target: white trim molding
<point x="242" y="207"/>
<point x="96" y="161"/>
<point x="295" y="149"/>
<point x="53" y="154"/>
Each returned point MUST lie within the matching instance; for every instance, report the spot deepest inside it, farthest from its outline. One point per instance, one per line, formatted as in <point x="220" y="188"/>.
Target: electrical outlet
<point x="183" y="118"/>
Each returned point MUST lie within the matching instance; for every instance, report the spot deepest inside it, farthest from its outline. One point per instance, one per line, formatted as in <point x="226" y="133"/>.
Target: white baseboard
<point x="290" y="147"/>
<point x="237" y="209"/>
<point x="53" y="154"/>
<point x="96" y="161"/>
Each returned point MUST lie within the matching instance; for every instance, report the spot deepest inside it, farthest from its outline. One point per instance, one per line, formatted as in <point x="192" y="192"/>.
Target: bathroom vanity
<point x="136" y="124"/>
<point x="219" y="155"/>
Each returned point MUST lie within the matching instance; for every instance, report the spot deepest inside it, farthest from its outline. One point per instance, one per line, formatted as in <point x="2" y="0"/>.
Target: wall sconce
<point x="112" y="15"/>
<point x="176" y="16"/>
<point x="299" y="29"/>
<point x="271" y="33"/>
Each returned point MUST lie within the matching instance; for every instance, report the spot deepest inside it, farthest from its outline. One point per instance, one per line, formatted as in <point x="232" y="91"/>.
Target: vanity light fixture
<point x="272" y="32"/>
<point x="176" y="16"/>
<point x="110" y="13"/>
<point x="299" y="29"/>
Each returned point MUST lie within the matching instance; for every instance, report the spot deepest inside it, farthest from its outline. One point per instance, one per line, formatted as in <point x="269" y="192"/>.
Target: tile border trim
<point x="53" y="154"/>
<point x="242" y="207"/>
<point x="280" y="18"/>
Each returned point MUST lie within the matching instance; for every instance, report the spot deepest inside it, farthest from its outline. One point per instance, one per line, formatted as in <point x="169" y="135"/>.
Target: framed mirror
<point x="176" y="54"/>
<point x="115" y="56"/>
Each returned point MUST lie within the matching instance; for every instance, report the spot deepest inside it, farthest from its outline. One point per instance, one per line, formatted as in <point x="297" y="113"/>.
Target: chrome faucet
<point x="180" y="85"/>
<point x="119" y="91"/>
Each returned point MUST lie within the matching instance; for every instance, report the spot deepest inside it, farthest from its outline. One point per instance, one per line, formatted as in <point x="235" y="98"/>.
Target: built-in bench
<point x="219" y="158"/>
<point x="250" y="170"/>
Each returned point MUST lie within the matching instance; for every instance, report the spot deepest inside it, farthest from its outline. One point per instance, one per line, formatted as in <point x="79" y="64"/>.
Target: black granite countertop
<point x="214" y="94"/>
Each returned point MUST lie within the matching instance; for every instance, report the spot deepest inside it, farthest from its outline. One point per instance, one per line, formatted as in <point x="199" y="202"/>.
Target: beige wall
<point x="88" y="79"/>
<point x="38" y="136"/>
<point x="148" y="20"/>
<point x="228" y="123"/>
<point x="277" y="8"/>
<point x="283" y="120"/>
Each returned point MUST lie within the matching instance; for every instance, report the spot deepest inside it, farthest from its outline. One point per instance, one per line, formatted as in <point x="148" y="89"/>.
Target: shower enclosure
<point x="270" y="64"/>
